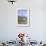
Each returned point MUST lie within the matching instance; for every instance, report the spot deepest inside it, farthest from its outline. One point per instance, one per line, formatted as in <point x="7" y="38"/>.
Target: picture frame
<point x="23" y="17"/>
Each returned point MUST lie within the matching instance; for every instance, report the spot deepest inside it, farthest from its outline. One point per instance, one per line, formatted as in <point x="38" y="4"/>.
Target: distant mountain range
<point x="22" y="20"/>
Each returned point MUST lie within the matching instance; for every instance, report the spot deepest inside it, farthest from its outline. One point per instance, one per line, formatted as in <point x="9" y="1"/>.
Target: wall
<point x="8" y="29"/>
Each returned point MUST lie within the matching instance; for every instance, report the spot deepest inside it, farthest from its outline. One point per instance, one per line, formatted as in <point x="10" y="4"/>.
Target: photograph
<point x="22" y="16"/>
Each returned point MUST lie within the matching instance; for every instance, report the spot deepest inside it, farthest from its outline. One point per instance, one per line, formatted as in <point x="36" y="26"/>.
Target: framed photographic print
<point x="22" y="17"/>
